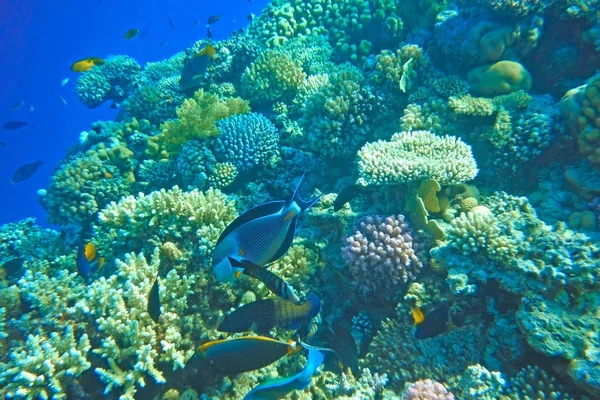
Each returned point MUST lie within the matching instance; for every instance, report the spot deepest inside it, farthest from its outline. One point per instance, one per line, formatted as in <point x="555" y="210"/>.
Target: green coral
<point x="416" y="156"/>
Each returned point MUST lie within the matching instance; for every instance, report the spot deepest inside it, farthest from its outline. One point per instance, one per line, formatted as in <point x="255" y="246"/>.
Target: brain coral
<point x="247" y="140"/>
<point x="502" y="77"/>
<point x="380" y="254"/>
<point x="114" y="80"/>
<point x="427" y="390"/>
<point x="416" y="156"/>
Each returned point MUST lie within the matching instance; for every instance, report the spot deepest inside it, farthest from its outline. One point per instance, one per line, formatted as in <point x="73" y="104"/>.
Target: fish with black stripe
<point x="261" y="235"/>
<point x="273" y="282"/>
<point x="264" y="315"/>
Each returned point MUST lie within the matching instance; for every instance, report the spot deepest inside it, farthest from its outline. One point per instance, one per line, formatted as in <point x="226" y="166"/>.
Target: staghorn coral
<point x="114" y="80"/>
<point x="416" y="156"/>
<point x="247" y="141"/>
<point x="193" y="220"/>
<point x="427" y="390"/>
<point x="196" y="119"/>
<point x="380" y="255"/>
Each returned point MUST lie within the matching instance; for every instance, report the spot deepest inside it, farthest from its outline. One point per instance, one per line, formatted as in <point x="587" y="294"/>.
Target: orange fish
<point x="86" y="64"/>
<point x="208" y="51"/>
<point x="90" y="251"/>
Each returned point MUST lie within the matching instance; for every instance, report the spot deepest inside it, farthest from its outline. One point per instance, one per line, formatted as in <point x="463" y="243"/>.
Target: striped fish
<point x="261" y="235"/>
<point x="274" y="283"/>
<point x="264" y="315"/>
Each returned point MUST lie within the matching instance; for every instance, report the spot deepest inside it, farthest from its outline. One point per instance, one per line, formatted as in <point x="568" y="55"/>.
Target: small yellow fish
<point x="132" y="33"/>
<point x="418" y="316"/>
<point x="207" y="51"/>
<point x="90" y="251"/>
<point x="86" y="64"/>
<point x="101" y="261"/>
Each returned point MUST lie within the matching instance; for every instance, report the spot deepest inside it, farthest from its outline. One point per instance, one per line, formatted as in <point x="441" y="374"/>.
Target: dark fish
<point x="13" y="265"/>
<point x="264" y="315"/>
<point x="2" y="144"/>
<point x="14" y="125"/>
<point x="234" y="356"/>
<point x="345" y="347"/>
<point x="114" y="105"/>
<point x="434" y="324"/>
<point x="17" y="105"/>
<point x="25" y="172"/>
<point x="346" y="195"/>
<point x="250" y="17"/>
<point x="279" y="388"/>
<point x="213" y="19"/>
<point x="275" y="284"/>
<point x="131" y="33"/>
<point x="195" y="67"/>
<point x="171" y="23"/>
<point x="208" y="33"/>
<point x="196" y="22"/>
<point x="276" y="222"/>
<point x="154" y="302"/>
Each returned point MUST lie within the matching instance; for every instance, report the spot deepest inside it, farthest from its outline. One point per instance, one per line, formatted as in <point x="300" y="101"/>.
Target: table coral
<point x="248" y="141"/>
<point x="380" y="255"/>
<point x="114" y="80"/>
<point x="416" y="156"/>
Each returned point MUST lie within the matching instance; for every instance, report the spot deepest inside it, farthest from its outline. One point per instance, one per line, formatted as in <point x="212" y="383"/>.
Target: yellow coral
<point x="196" y="119"/>
<point x="502" y="77"/>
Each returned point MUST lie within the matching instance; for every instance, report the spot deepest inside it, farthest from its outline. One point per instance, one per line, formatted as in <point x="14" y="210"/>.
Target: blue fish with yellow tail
<point x="234" y="356"/>
<point x="261" y="235"/>
<point x="87" y="260"/>
<point x="264" y="315"/>
<point x="273" y="282"/>
<point x="280" y="388"/>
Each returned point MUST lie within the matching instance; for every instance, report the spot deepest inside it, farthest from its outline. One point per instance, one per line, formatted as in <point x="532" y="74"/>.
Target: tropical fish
<point x="14" y="125"/>
<point x="195" y="67"/>
<point x="345" y="347"/>
<point x="64" y="82"/>
<point x="213" y="19"/>
<point x="86" y="64"/>
<point x="418" y="316"/>
<point x="250" y="16"/>
<point x="234" y="356"/>
<point x="2" y="144"/>
<point x="275" y="284"/>
<point x="13" y="265"/>
<point x="17" y="105"/>
<point x="279" y="388"/>
<point x="154" y="302"/>
<point x="348" y="194"/>
<point x="25" y="172"/>
<point x="264" y="315"/>
<point x="164" y="43"/>
<point x="196" y="22"/>
<point x="87" y="260"/>
<point x="208" y="32"/>
<point x="433" y="324"/>
<point x="171" y="23"/>
<point x="58" y="96"/>
<point x="261" y="235"/>
<point x="131" y="33"/>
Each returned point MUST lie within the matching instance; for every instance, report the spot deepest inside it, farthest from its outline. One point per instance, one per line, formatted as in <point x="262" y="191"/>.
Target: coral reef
<point x="427" y="390"/>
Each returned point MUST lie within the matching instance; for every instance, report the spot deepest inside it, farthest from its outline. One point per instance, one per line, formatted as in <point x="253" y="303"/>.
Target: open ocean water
<point x="295" y="199"/>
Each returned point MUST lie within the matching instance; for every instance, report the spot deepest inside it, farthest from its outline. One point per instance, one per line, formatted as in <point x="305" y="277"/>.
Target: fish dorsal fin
<point x="287" y="243"/>
<point x="260" y="210"/>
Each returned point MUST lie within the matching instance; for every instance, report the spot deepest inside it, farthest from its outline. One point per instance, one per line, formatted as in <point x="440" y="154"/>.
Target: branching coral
<point x="194" y="220"/>
<point x="247" y="141"/>
<point x="416" y="156"/>
<point x="114" y="80"/>
<point x="196" y="119"/>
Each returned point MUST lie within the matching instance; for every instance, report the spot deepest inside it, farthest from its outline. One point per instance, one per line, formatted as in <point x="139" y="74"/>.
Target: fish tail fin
<point x="315" y="305"/>
<point x="303" y="204"/>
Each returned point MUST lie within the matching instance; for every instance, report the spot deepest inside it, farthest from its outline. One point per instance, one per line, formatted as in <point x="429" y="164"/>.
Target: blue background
<point x="39" y="40"/>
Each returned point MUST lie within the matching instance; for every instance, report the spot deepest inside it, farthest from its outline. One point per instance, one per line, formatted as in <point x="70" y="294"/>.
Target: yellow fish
<point x="418" y="316"/>
<point x="86" y="64"/>
<point x="207" y="51"/>
<point x="90" y="251"/>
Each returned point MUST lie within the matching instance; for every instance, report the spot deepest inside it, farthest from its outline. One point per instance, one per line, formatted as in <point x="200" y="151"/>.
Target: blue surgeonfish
<point x="261" y="235"/>
<point x="273" y="282"/>
<point x="280" y="388"/>
<point x="234" y="356"/>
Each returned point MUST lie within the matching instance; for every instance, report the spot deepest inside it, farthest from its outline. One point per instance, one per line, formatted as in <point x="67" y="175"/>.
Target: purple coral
<point x="380" y="254"/>
<point x="427" y="390"/>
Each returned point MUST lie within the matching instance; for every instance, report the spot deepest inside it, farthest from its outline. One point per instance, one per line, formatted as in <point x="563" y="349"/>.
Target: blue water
<point x="39" y="40"/>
